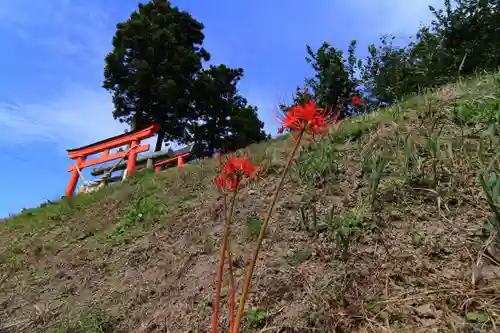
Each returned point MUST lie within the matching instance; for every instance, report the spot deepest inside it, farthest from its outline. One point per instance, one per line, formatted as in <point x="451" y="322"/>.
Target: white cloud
<point x="76" y="34"/>
<point x="78" y="117"/>
<point x="68" y="27"/>
<point x="401" y="18"/>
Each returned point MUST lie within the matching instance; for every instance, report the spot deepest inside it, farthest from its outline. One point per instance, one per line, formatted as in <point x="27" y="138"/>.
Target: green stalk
<point x="248" y="277"/>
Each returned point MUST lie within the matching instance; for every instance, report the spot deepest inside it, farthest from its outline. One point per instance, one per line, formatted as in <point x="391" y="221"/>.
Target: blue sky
<point x="52" y="66"/>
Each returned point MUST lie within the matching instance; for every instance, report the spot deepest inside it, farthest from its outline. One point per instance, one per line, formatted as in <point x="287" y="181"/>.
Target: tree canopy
<point x="150" y="71"/>
<point x="225" y="121"/>
<point x="334" y="79"/>
<point x="463" y="38"/>
<point x="155" y="74"/>
<point x="334" y="82"/>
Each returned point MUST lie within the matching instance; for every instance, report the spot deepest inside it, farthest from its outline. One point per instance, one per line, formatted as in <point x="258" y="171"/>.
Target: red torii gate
<point x="133" y="139"/>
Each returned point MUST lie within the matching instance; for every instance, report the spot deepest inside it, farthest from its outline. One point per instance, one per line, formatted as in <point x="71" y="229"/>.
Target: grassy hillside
<point x="342" y="254"/>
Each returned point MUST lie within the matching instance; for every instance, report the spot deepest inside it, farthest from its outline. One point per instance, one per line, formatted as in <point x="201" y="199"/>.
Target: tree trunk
<point x="211" y="147"/>
<point x="135" y="123"/>
<point x="159" y="140"/>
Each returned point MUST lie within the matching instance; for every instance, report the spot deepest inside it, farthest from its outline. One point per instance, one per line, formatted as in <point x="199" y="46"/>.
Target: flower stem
<point x="232" y="285"/>
<point x="232" y="292"/>
<point x="220" y="272"/>
<point x="248" y="277"/>
<point x="224" y="249"/>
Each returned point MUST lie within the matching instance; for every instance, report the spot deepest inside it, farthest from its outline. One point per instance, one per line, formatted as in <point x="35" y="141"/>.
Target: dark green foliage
<point x="383" y="70"/>
<point x="334" y="81"/>
<point x="150" y="71"/>
<point x="155" y="73"/>
<point x="470" y="34"/>
<point x="225" y="121"/>
<point x="462" y="39"/>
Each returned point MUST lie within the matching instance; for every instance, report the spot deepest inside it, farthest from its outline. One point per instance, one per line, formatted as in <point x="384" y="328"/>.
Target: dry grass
<point x="141" y="257"/>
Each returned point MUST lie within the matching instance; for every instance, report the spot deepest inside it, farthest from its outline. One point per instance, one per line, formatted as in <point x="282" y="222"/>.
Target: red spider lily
<point x="233" y="172"/>
<point x="239" y="166"/>
<point x="305" y="118"/>
<point x="220" y="182"/>
<point x="356" y="100"/>
<point x="281" y="130"/>
<point x="225" y="183"/>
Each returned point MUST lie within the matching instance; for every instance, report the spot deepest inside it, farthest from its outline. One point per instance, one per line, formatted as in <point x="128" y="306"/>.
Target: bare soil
<point x="421" y="267"/>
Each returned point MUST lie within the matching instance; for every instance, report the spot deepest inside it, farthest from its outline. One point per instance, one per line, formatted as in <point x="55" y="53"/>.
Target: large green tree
<point x="225" y="121"/>
<point x="383" y="70"/>
<point x="151" y="70"/>
<point x="464" y="37"/>
<point x="470" y="33"/>
<point x="334" y="80"/>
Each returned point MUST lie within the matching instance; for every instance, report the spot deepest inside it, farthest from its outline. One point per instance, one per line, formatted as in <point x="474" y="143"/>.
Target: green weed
<point x="351" y="131"/>
<point x="253" y="226"/>
<point x="412" y="161"/>
<point x="346" y="231"/>
<point x="374" y="166"/>
<point x="255" y="318"/>
<point x="91" y="321"/>
<point x="298" y="257"/>
<point x="143" y="212"/>
<point x="433" y="147"/>
<point x="315" y="162"/>
<point x="208" y="246"/>
<point x="490" y="182"/>
<point x="310" y="221"/>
